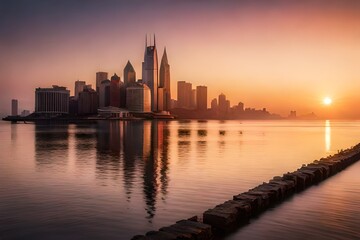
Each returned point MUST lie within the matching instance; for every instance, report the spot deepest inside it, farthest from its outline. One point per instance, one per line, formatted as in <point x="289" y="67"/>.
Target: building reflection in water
<point x="327" y="135"/>
<point x="51" y="145"/>
<point x="134" y="151"/>
<point x="141" y="148"/>
<point x="201" y="145"/>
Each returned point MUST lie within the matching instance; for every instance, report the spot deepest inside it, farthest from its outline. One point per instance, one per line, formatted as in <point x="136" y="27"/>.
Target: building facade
<point x="193" y="99"/>
<point x="138" y="98"/>
<point x="115" y="91"/>
<point x="104" y="94"/>
<point x="214" y="104"/>
<point x="164" y="82"/>
<point x="88" y="102"/>
<point x="14" y="107"/>
<point x="201" y="97"/>
<point x="129" y="75"/>
<point x="184" y="94"/>
<point x="222" y="107"/>
<point x="100" y="76"/>
<point x="150" y="73"/>
<point x="52" y="101"/>
<point x="79" y="87"/>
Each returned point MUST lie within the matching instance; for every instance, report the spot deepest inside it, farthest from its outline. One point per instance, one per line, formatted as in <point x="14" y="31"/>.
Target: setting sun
<point x="327" y="101"/>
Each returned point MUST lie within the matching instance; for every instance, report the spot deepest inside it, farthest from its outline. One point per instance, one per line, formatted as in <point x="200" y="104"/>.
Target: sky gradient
<point x="283" y="55"/>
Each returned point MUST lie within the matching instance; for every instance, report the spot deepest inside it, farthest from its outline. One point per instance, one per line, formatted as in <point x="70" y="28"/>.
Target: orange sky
<point x="284" y="56"/>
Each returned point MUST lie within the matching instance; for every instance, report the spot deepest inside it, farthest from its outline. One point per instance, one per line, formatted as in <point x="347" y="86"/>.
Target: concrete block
<point x="157" y="235"/>
<point x="225" y="217"/>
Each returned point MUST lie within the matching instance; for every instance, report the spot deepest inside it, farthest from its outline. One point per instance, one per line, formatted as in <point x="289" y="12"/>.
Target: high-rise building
<point x="14" y="107"/>
<point x="52" y="101"/>
<point x="193" y="103"/>
<point x="138" y="98"/>
<point x="100" y="76"/>
<point x="240" y="107"/>
<point x="184" y="94"/>
<point x="129" y="74"/>
<point x="161" y="99"/>
<point x="150" y="73"/>
<point x="222" y="103"/>
<point x="88" y="102"/>
<point x="79" y="87"/>
<point x="104" y="94"/>
<point x="201" y="97"/>
<point x="214" y="104"/>
<point x="165" y="81"/>
<point x="115" y="91"/>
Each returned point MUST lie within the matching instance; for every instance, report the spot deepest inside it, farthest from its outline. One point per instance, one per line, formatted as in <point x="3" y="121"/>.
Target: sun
<point x="327" y="101"/>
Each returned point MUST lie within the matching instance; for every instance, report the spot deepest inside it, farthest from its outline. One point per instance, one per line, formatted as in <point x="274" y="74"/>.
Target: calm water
<point x="112" y="180"/>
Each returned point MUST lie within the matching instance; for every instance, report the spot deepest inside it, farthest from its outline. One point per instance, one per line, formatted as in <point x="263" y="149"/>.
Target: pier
<point x="234" y="213"/>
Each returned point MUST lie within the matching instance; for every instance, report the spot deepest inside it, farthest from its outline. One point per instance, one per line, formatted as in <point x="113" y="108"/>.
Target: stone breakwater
<point x="228" y="216"/>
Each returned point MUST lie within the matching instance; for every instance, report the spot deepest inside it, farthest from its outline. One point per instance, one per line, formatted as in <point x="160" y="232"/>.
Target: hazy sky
<point x="282" y="55"/>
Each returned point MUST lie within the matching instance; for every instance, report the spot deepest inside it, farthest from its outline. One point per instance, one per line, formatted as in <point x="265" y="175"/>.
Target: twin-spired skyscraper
<point x="160" y="88"/>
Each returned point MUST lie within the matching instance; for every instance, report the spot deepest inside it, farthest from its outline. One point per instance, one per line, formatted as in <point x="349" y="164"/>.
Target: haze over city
<point x="280" y="55"/>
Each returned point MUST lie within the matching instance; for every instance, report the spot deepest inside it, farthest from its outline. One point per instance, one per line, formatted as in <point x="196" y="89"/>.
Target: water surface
<point x="116" y="179"/>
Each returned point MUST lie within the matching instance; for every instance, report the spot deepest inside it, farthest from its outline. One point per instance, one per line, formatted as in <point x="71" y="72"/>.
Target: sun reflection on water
<point x="327" y="135"/>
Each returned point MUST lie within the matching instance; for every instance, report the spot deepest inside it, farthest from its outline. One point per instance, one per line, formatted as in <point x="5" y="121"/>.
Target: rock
<point x="139" y="237"/>
<point x="316" y="172"/>
<point x="225" y="217"/>
<point x="264" y="196"/>
<point x="254" y="201"/>
<point x="274" y="192"/>
<point x="157" y="235"/>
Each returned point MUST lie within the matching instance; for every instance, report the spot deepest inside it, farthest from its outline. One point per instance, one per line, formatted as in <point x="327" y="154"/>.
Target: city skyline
<point x="257" y="51"/>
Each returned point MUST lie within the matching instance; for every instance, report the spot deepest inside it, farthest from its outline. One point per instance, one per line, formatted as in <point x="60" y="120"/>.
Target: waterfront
<point x="117" y="179"/>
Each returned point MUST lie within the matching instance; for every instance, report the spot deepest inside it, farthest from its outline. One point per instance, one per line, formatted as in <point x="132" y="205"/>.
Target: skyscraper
<point x="193" y="99"/>
<point x="129" y="74"/>
<point x="223" y="103"/>
<point x="115" y="91"/>
<point x="150" y="72"/>
<point x="79" y="87"/>
<point x="100" y="76"/>
<point x="165" y="81"/>
<point x="88" y="102"/>
<point x="183" y="94"/>
<point x="201" y="97"/>
<point x="104" y="94"/>
<point x="138" y="98"/>
<point x="14" y="107"/>
<point x="214" y="104"/>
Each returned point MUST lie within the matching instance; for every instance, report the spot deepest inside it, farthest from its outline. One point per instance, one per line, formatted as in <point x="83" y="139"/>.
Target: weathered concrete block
<point x="264" y="196"/>
<point x="254" y="201"/>
<point x="225" y="217"/>
<point x="288" y="187"/>
<point x="310" y="174"/>
<point x="274" y="192"/>
<point x="332" y="167"/>
<point x="139" y="237"/>
<point x="317" y="172"/>
<point x="325" y="169"/>
<point x="200" y="231"/>
<point x="158" y="235"/>
<point x="183" y="233"/>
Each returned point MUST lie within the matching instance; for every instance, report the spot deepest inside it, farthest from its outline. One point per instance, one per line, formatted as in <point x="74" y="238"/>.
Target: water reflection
<point x="134" y="151"/>
<point x="142" y="149"/>
<point x="51" y="145"/>
<point x="327" y="135"/>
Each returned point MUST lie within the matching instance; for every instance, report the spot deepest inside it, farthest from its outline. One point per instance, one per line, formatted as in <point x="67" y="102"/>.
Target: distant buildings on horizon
<point x="152" y="93"/>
